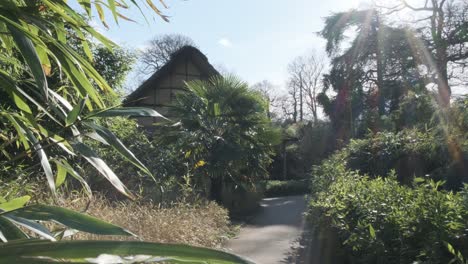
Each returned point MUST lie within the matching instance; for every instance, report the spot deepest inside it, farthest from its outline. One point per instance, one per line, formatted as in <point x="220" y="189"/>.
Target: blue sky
<point x="255" y="39"/>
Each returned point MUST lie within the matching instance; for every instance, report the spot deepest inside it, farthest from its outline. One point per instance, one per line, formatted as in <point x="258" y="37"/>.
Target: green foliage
<point x="45" y="122"/>
<point x="398" y="197"/>
<point x="378" y="154"/>
<point x="304" y="145"/>
<point x="223" y="131"/>
<point x="432" y="153"/>
<point x="91" y="251"/>
<point x="163" y="161"/>
<point x="284" y="188"/>
<point x="380" y="221"/>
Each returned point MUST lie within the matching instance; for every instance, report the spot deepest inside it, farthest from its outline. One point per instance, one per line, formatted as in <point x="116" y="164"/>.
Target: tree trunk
<point x="380" y="70"/>
<point x="443" y="87"/>
<point x="285" y="161"/>
<point x="301" y="104"/>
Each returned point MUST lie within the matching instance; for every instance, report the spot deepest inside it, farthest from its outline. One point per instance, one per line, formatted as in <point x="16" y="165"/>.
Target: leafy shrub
<point x="306" y="144"/>
<point x="284" y="188"/>
<point x="411" y="153"/>
<point x="379" y="153"/>
<point x="380" y="221"/>
<point x="241" y="199"/>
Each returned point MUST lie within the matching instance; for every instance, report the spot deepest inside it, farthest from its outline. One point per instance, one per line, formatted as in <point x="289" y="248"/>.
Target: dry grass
<point x="204" y="224"/>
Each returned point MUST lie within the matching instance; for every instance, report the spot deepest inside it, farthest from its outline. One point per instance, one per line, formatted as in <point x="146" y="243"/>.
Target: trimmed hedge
<point x="285" y="188"/>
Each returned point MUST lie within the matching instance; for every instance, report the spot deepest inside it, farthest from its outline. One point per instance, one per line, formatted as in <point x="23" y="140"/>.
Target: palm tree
<point x="224" y="131"/>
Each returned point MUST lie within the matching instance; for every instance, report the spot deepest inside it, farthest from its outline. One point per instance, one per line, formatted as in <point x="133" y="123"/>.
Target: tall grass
<point x="200" y="224"/>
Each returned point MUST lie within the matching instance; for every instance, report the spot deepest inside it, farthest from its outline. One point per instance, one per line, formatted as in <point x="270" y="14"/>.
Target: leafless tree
<point x="305" y="74"/>
<point x="269" y="92"/>
<point x="438" y="37"/>
<point x="159" y="50"/>
<point x="286" y="109"/>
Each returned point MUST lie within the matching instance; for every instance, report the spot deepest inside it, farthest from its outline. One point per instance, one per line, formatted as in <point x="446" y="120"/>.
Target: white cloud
<point x="225" y="42"/>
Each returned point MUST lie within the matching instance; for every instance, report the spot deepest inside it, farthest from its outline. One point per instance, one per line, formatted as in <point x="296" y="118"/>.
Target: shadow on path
<point x="273" y="231"/>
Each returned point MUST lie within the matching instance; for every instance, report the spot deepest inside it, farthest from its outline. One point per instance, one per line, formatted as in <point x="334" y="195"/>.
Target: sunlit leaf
<point x="126" y="111"/>
<point x="113" y="141"/>
<point x="101" y="166"/>
<point x="24" y="252"/>
<point x="15" y="203"/>
<point x="9" y="231"/>
<point x="29" y="53"/>
<point x="68" y="218"/>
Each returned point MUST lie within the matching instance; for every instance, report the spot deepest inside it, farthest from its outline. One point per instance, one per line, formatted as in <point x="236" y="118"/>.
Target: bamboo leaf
<point x="101" y="14"/>
<point x="15" y="203"/>
<point x="115" y="143"/>
<point x="113" y="9"/>
<point x="11" y="89"/>
<point x="44" y="58"/>
<point x="31" y="57"/>
<point x="86" y="4"/>
<point x="371" y="231"/>
<point x="10" y="231"/>
<point x="126" y="111"/>
<point x="101" y="166"/>
<point x="42" y="156"/>
<point x="31" y="225"/>
<point x="75" y="112"/>
<point x="68" y="218"/>
<point x="65" y="165"/>
<point x="25" y="252"/>
<point x="61" y="176"/>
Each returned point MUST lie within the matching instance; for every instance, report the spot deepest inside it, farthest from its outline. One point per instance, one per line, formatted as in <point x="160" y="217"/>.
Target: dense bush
<point x="284" y="188"/>
<point x="411" y="153"/>
<point x="163" y="161"/>
<point x="380" y="221"/>
<point x="304" y="145"/>
<point x="396" y="197"/>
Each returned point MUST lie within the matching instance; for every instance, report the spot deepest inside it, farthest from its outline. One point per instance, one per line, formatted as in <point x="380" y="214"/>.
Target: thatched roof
<point x="187" y="52"/>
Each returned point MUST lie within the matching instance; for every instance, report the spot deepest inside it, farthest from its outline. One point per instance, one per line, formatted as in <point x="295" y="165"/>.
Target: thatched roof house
<point x="158" y="92"/>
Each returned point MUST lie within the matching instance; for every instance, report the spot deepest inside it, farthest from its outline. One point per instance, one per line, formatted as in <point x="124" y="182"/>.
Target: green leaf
<point x="31" y="57"/>
<point x="86" y="4"/>
<point x="77" y="77"/>
<point x="113" y="141"/>
<point x="31" y="225"/>
<point x="68" y="218"/>
<point x="9" y="231"/>
<point x="75" y="112"/>
<point x="61" y="176"/>
<point x="65" y="165"/>
<point x="44" y="58"/>
<point x="101" y="166"/>
<point x="113" y="9"/>
<point x="42" y="156"/>
<point x="15" y="203"/>
<point x="126" y="111"/>
<point x="371" y="231"/>
<point x="19" y="129"/>
<point x="10" y="88"/>
<point x="82" y="251"/>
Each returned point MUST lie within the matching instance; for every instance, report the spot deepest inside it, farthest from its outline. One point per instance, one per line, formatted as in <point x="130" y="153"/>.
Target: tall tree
<point x="306" y="73"/>
<point x="440" y="38"/>
<point x="378" y="64"/>
<point x="159" y="50"/>
<point x="267" y="89"/>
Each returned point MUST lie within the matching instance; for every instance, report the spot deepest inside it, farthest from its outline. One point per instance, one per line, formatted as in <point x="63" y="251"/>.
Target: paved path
<point x="274" y="232"/>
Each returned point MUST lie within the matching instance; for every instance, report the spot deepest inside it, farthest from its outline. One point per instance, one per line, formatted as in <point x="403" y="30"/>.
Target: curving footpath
<point x="274" y="233"/>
